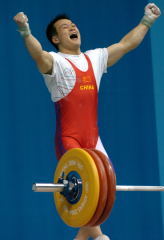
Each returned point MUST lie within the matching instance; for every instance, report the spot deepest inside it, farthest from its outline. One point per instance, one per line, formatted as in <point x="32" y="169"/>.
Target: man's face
<point x="68" y="35"/>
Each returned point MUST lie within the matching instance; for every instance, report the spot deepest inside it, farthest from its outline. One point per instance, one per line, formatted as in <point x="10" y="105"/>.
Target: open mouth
<point x="73" y="36"/>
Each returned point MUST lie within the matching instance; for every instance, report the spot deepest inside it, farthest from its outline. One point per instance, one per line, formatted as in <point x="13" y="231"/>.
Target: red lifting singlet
<point x="76" y="114"/>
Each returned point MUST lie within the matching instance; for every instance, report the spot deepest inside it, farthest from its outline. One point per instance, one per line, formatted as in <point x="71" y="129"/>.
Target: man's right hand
<point x="21" y="19"/>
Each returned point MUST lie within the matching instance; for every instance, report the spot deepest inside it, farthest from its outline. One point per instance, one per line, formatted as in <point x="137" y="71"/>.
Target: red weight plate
<point x="111" y="180"/>
<point x="103" y="188"/>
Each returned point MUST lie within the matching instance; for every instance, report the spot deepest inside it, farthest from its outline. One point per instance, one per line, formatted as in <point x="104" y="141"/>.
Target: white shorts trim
<point x="100" y="147"/>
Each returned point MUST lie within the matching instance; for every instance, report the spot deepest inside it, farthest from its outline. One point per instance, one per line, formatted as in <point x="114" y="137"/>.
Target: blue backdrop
<point x="130" y="120"/>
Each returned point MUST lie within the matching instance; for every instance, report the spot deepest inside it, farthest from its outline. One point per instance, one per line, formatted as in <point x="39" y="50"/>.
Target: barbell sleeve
<point x="48" y="187"/>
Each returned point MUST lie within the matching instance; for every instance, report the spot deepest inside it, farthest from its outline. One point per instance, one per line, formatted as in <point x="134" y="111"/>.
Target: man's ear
<point x="55" y="39"/>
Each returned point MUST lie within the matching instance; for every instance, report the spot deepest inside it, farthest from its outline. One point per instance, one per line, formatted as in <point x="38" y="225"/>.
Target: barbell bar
<point x="52" y="187"/>
<point x="140" y="188"/>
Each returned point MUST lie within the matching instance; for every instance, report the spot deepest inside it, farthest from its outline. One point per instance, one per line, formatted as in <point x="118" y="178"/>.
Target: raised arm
<point x="42" y="58"/>
<point x="134" y="37"/>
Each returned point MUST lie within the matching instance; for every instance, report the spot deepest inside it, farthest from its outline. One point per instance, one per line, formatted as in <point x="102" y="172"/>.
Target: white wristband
<point x="147" y="21"/>
<point x="25" y="30"/>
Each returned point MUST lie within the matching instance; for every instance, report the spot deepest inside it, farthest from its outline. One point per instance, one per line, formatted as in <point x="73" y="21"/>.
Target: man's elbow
<point x="129" y="46"/>
<point x="44" y="65"/>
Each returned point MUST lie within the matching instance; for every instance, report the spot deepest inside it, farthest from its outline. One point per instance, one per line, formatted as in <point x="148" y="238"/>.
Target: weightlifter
<point x="73" y="79"/>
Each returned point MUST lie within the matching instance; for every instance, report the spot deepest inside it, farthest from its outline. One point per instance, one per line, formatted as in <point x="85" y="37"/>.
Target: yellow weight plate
<point x="80" y="213"/>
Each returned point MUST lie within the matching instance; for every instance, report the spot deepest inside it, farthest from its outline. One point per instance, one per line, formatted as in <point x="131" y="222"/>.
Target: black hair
<point x="51" y="30"/>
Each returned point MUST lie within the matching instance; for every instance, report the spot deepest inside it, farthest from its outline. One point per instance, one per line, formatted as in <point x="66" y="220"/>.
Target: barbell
<point x="84" y="187"/>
